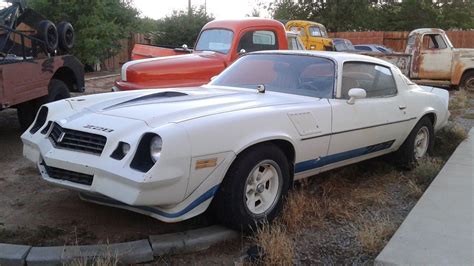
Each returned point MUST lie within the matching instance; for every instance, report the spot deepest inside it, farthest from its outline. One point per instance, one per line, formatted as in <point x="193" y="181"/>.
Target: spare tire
<point x="66" y="36"/>
<point x="48" y="33"/>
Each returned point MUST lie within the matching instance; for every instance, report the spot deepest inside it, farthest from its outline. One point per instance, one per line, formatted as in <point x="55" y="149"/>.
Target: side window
<point x="258" y="40"/>
<point x="314" y="31"/>
<point x="293" y="43"/>
<point x="363" y="48"/>
<point x="433" y="41"/>
<point x="376" y="80"/>
<point x="299" y="30"/>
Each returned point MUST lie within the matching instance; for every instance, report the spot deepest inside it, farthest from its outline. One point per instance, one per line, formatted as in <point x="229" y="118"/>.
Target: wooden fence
<point x="397" y="39"/>
<point x="115" y="62"/>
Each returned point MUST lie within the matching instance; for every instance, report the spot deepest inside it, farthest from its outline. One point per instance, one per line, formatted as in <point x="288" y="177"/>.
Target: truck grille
<point x="77" y="140"/>
<point x="62" y="174"/>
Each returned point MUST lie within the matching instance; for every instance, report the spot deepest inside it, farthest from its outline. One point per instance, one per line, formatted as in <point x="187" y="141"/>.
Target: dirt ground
<point x="36" y="213"/>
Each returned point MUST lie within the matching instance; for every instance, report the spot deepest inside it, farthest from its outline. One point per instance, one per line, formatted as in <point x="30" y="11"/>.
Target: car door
<point x="371" y="125"/>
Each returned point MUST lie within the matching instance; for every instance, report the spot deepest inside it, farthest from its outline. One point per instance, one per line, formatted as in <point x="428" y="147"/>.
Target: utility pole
<point x="189" y="8"/>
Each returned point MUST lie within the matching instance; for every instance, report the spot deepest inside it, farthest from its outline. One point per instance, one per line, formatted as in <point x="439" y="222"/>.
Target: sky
<point x="221" y="9"/>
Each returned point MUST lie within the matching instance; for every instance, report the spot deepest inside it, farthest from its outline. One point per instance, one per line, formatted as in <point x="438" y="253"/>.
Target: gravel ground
<point x="34" y="212"/>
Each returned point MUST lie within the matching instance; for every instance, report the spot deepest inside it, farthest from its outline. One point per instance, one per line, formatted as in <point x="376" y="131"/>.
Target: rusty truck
<point x="431" y="59"/>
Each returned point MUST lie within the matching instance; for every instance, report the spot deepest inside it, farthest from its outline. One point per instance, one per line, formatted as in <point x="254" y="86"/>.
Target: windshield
<point x="294" y="74"/>
<point x="217" y="40"/>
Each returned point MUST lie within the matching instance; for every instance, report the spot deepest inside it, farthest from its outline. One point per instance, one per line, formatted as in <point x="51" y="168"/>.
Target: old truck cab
<point x="431" y="59"/>
<point x="313" y="35"/>
<point x="219" y="43"/>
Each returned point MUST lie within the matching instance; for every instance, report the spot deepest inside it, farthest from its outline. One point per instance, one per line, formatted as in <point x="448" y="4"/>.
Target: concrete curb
<point x="126" y="253"/>
<point x="190" y="241"/>
<point x="13" y="254"/>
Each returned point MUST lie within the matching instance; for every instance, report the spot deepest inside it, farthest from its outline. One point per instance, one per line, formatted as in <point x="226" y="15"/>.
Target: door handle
<point x="402" y="107"/>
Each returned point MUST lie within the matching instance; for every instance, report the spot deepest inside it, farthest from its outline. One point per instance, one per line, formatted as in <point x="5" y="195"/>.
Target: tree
<point x="182" y="27"/>
<point x="99" y="25"/>
<point x="388" y="15"/>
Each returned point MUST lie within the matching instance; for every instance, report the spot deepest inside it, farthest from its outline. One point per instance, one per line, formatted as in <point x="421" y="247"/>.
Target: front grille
<point x="62" y="174"/>
<point x="77" y="140"/>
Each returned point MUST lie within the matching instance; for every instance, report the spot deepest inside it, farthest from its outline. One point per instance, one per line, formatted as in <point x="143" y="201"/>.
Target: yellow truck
<point x="313" y="35"/>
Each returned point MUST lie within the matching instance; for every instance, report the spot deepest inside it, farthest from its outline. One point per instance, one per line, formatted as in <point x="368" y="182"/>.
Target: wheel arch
<point x="67" y="75"/>
<point x="466" y="72"/>
<point x="283" y="143"/>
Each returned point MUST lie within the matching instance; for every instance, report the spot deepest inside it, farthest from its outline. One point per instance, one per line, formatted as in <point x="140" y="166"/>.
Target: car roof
<point x="238" y="24"/>
<point x="336" y="56"/>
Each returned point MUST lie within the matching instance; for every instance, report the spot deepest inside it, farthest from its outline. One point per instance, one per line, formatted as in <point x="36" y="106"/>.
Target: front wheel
<point x="254" y="188"/>
<point x="418" y="144"/>
<point x="467" y="82"/>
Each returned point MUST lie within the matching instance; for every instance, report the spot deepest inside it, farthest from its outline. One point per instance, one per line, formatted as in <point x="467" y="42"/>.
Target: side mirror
<point x="242" y="51"/>
<point x="184" y="46"/>
<point x="356" y="93"/>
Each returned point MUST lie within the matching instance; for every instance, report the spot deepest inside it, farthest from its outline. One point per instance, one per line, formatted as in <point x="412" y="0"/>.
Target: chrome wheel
<point x="422" y="140"/>
<point x="263" y="187"/>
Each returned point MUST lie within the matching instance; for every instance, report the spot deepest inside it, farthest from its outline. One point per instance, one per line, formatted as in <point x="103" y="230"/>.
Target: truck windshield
<point x="217" y="40"/>
<point x="293" y="74"/>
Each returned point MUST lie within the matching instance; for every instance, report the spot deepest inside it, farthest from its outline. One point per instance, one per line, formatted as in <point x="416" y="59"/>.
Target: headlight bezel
<point x="143" y="160"/>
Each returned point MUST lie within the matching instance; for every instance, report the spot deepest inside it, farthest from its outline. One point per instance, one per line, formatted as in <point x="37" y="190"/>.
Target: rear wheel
<point x="57" y="90"/>
<point x="467" y="81"/>
<point x="254" y="188"/>
<point x="418" y="144"/>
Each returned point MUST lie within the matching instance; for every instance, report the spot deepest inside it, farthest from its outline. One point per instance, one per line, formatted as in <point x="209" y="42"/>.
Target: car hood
<point x="162" y="106"/>
<point x="180" y="70"/>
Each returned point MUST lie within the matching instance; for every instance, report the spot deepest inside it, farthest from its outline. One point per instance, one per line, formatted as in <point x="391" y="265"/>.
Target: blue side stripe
<point x="207" y="195"/>
<point x="334" y="158"/>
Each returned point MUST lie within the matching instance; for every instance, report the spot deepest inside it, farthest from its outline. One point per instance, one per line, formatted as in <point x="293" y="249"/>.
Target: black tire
<point x="406" y="155"/>
<point x="26" y="112"/>
<point x="229" y="205"/>
<point x="467" y="81"/>
<point x="66" y="36"/>
<point x="57" y="90"/>
<point x="48" y="33"/>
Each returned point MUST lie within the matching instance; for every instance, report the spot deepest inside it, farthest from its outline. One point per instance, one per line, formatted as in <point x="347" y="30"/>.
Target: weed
<point x="426" y="171"/>
<point x="278" y="246"/>
<point x="448" y="138"/>
<point x="458" y="101"/>
<point x="374" y="233"/>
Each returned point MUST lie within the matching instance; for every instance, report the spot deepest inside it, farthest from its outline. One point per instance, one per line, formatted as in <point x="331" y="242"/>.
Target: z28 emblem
<point x="108" y="130"/>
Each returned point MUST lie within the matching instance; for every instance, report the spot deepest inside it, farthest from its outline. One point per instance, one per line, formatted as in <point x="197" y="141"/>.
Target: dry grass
<point x="373" y="234"/>
<point x="459" y="100"/>
<point x="277" y="244"/>
<point x="448" y="138"/>
<point x="413" y="189"/>
<point x="426" y="171"/>
<point x="98" y="261"/>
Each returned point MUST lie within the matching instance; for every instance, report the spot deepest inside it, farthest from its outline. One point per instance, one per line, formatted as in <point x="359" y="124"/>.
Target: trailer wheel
<point x="467" y="81"/>
<point x="26" y="111"/>
<point x="49" y="34"/>
<point x="66" y="36"/>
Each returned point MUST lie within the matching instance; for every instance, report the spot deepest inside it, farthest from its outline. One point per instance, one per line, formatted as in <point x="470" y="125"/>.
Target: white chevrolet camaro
<point x="238" y="143"/>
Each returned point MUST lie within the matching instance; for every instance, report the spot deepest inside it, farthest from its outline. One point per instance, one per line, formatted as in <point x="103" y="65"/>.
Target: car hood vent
<point x="149" y="97"/>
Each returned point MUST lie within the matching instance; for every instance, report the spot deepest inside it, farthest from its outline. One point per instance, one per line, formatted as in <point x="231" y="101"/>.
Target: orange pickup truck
<point x="220" y="43"/>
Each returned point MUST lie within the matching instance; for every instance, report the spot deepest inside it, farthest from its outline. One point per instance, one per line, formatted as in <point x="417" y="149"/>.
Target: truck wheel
<point x="467" y="81"/>
<point x="49" y="34"/>
<point x="417" y="145"/>
<point x="57" y="90"/>
<point x="66" y="36"/>
<point x="254" y="188"/>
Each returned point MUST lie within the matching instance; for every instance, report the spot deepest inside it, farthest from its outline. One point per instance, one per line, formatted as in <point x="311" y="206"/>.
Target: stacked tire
<point x="54" y="38"/>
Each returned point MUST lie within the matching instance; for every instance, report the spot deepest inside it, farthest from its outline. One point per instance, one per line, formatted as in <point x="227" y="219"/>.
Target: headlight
<point x="155" y="148"/>
<point x="125" y="148"/>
